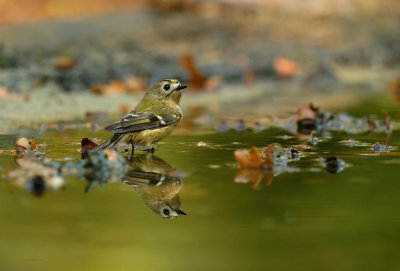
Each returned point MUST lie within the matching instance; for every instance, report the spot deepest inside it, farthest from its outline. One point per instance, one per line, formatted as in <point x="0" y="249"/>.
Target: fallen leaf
<point x="249" y="159"/>
<point x="115" y="87"/>
<point x="285" y="67"/>
<point x="87" y="143"/>
<point x="135" y="84"/>
<point x="130" y="85"/>
<point x="307" y="112"/>
<point x="96" y="89"/>
<point x="32" y="143"/>
<point x="197" y="80"/>
<point x="65" y="63"/>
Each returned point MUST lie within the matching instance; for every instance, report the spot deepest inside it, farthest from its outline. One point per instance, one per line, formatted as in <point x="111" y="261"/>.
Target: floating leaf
<point x="249" y="159"/>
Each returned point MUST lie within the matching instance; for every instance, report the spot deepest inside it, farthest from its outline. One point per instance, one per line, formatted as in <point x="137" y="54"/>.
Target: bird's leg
<point x="132" y="150"/>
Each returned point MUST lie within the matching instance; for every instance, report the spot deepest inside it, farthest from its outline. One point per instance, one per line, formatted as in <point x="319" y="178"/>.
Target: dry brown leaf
<point x="96" y="89"/>
<point x="136" y="84"/>
<point x="249" y="159"/>
<point x="130" y="85"/>
<point x="115" y="87"/>
<point x="32" y="143"/>
<point x="65" y="63"/>
<point x="197" y="80"/>
<point x="285" y="67"/>
<point x="87" y="143"/>
<point x="307" y="112"/>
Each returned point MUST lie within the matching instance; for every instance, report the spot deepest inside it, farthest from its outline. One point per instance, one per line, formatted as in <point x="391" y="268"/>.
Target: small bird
<point x="154" y="118"/>
<point x="157" y="183"/>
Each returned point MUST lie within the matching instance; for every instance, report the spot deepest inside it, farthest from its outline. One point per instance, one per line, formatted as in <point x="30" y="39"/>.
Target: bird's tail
<point x="110" y="143"/>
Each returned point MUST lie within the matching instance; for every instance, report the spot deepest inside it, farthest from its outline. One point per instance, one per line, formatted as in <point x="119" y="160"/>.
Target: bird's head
<point x="167" y="89"/>
<point x="168" y="212"/>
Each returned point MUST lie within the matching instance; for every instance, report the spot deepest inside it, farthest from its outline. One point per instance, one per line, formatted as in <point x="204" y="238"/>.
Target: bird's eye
<point x="165" y="212"/>
<point x="166" y="87"/>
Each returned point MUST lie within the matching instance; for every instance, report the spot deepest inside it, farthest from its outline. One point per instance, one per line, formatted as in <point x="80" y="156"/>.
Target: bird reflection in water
<point x="157" y="183"/>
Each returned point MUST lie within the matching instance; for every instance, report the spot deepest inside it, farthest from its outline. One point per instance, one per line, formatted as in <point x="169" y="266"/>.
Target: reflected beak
<point x="181" y="87"/>
<point x="181" y="212"/>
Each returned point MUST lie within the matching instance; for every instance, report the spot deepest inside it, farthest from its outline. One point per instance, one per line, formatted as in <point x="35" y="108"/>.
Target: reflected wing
<point x="136" y="177"/>
<point x="134" y="122"/>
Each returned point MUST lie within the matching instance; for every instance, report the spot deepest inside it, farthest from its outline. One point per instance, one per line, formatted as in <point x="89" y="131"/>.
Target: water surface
<point x="309" y="219"/>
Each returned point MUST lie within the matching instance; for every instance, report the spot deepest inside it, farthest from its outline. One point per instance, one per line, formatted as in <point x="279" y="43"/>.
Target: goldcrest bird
<point x="154" y="118"/>
<point x="157" y="183"/>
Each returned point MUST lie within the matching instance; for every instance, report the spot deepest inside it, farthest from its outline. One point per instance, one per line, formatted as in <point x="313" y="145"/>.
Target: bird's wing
<point x="134" y="122"/>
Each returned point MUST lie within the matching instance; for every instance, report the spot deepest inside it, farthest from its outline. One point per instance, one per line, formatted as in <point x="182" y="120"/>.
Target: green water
<point x="306" y="220"/>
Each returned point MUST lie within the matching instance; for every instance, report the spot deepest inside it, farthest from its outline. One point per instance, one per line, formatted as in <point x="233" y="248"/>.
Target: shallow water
<point x="308" y="219"/>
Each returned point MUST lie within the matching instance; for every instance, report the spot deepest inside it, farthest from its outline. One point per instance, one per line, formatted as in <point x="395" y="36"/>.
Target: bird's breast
<point x="148" y="137"/>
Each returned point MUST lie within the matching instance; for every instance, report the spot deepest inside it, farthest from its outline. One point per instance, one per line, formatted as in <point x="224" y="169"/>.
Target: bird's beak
<point x="181" y="87"/>
<point x="181" y="212"/>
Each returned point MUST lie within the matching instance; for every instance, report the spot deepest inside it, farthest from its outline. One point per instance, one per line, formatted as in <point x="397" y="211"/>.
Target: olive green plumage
<point x="154" y="118"/>
<point x="157" y="183"/>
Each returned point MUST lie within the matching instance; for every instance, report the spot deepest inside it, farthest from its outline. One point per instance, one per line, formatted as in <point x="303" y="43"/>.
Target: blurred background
<point x="69" y="68"/>
<point x="242" y="55"/>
